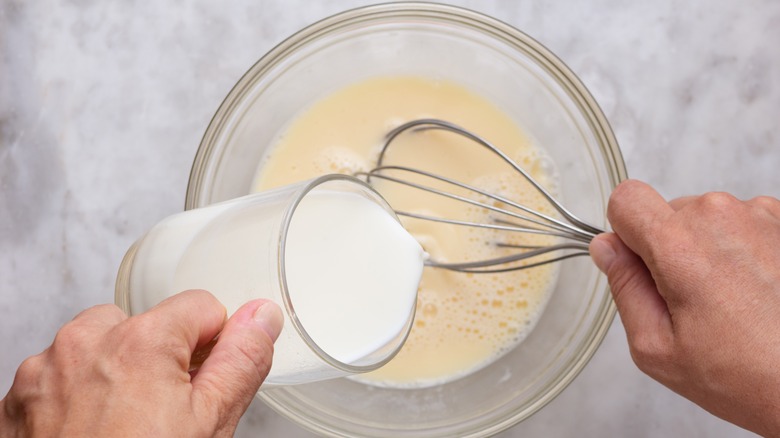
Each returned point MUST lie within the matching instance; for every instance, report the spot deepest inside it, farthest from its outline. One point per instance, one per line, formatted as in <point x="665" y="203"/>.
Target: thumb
<point x="643" y="311"/>
<point x="239" y="362"/>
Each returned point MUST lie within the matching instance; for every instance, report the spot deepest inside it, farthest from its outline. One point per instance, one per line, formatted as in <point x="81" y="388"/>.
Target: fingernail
<point x="269" y="317"/>
<point x="603" y="253"/>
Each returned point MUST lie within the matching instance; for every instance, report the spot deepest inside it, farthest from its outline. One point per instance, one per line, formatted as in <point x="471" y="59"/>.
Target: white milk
<point x="371" y="265"/>
<point x="352" y="270"/>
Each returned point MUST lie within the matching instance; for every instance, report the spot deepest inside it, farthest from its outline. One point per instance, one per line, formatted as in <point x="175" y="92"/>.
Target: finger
<point x="637" y="213"/>
<point x="768" y="203"/>
<point x="239" y="362"/>
<point x="680" y="203"/>
<point x="643" y="311"/>
<point x="194" y="316"/>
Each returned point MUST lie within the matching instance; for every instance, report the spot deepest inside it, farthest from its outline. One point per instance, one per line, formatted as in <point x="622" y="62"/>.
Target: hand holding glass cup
<point x="330" y="251"/>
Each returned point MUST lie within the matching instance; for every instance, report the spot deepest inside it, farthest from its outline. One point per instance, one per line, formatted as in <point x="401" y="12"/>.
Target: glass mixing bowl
<point x="529" y="84"/>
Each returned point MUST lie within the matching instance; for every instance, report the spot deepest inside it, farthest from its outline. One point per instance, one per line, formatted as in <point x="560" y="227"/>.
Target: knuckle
<point x="102" y="315"/>
<point x="131" y="338"/>
<point x="717" y="202"/>
<point x="201" y="295"/>
<point x="136" y="333"/>
<point x="767" y="203"/>
<point x="247" y="362"/>
<point x="73" y="336"/>
<point x="648" y="353"/>
<point x="142" y="325"/>
<point x="255" y="355"/>
<point x="621" y="280"/>
<point x="30" y="370"/>
<point x="31" y="384"/>
<point x="92" y="311"/>
<point x="111" y="313"/>
<point x="625" y="191"/>
<point x="141" y="337"/>
<point x="763" y="200"/>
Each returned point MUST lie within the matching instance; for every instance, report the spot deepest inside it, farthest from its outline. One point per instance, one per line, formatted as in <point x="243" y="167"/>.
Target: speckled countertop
<point x="102" y="106"/>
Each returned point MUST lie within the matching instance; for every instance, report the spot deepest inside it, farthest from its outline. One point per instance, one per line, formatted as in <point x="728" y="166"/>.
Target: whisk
<point x="573" y="235"/>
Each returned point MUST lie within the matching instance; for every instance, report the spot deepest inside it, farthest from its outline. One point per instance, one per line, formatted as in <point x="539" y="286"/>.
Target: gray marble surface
<point x="102" y="105"/>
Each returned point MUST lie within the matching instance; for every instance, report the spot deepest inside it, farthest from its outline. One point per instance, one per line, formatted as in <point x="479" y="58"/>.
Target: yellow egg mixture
<point x="463" y="321"/>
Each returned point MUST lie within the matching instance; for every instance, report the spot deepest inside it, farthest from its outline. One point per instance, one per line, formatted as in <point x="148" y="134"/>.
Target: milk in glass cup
<point x="330" y="251"/>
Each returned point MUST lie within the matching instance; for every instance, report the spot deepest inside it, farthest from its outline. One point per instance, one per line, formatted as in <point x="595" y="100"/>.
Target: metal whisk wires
<point x="572" y="234"/>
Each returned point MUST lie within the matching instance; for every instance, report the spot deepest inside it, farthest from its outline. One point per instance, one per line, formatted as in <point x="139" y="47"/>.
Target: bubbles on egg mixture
<point x="494" y="308"/>
<point x="488" y="314"/>
<point x="485" y="313"/>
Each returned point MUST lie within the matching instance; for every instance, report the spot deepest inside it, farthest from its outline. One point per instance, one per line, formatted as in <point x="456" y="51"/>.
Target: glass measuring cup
<point x="240" y="250"/>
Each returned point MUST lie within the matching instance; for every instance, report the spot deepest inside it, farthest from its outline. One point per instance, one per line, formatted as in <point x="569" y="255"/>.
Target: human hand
<point x="110" y="375"/>
<point x="697" y="284"/>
